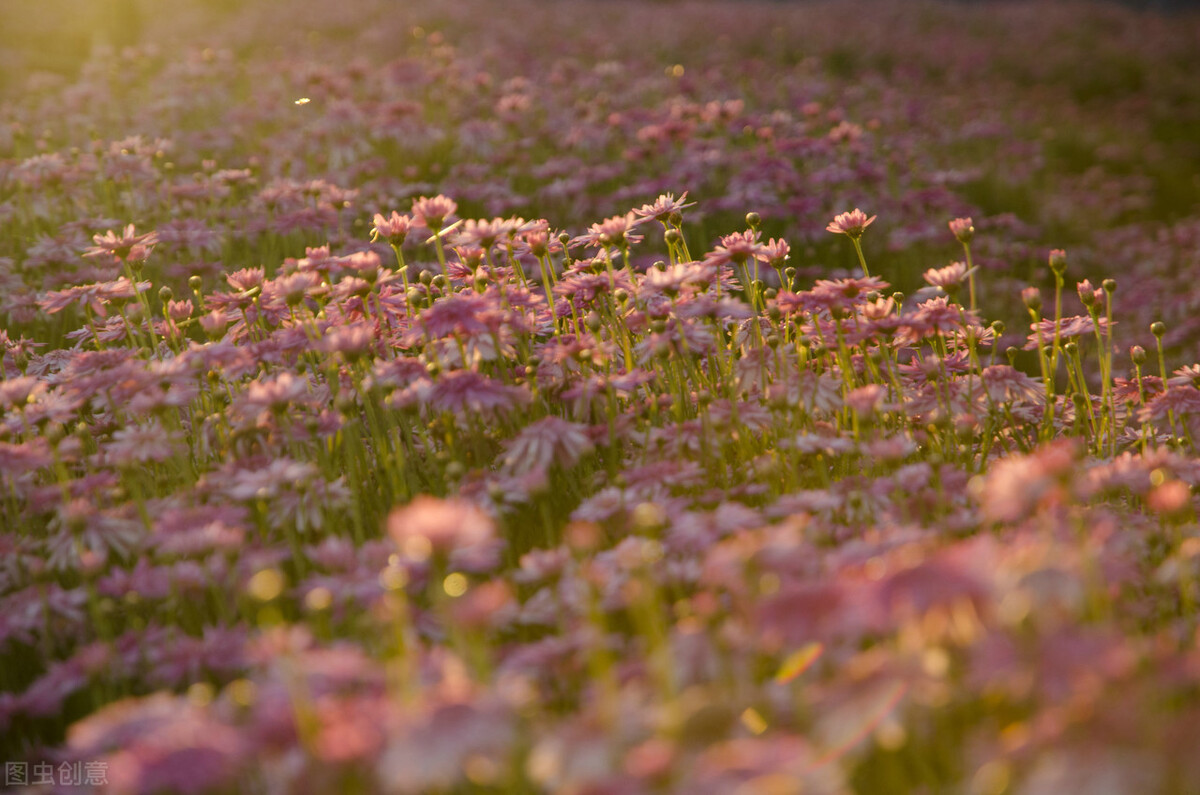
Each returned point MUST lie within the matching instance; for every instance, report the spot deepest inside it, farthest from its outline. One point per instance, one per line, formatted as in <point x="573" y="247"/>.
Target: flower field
<point x="601" y="398"/>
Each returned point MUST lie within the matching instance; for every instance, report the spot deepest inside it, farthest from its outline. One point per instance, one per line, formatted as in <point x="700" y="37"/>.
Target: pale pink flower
<point x="429" y="525"/>
<point x="852" y="224"/>
<point x="963" y="229"/>
<point x="127" y="246"/>
<point x="663" y="207"/>
<point x="392" y="228"/>
<point x="949" y="278"/>
<point x="431" y="212"/>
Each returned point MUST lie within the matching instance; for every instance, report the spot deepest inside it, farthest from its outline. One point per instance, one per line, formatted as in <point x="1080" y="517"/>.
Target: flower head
<point x="432" y="525"/>
<point x="851" y="224"/>
<point x="393" y="228"/>
<point x="127" y="246"/>
<point x="663" y="207"/>
<point x="963" y="229"/>
<point x="431" y="212"/>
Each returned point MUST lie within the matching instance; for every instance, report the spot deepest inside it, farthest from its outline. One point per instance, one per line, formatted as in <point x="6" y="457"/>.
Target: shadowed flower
<point x="467" y="392"/>
<point x="1004" y="383"/>
<point x="549" y="441"/>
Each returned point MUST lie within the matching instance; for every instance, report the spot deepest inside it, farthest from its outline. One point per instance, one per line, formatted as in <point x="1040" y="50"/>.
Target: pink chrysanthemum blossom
<point x="1176" y="401"/>
<point x="465" y="392"/>
<point x="949" y="278"/>
<point x="95" y="297"/>
<point x="1069" y="327"/>
<point x="851" y="224"/>
<point x="737" y="248"/>
<point x="274" y="395"/>
<point x="246" y="278"/>
<point x="128" y="246"/>
<point x="432" y="212"/>
<point x="963" y="229"/>
<point x="615" y="231"/>
<point x="663" y="207"/>
<point x="429" y="525"/>
<point x="484" y="234"/>
<point x="775" y="253"/>
<point x="675" y="277"/>
<point x="139" y="444"/>
<point x="1017" y="485"/>
<point x="1188" y="375"/>
<point x="937" y="315"/>
<point x="1004" y="383"/>
<point x="549" y="441"/>
<point x="392" y="228"/>
<point x="455" y="315"/>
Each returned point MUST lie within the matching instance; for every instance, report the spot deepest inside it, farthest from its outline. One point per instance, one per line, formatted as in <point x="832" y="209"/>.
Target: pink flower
<point x="948" y="278"/>
<point x="1018" y="485"/>
<point x="663" y="207"/>
<point x="431" y="212"/>
<point x="465" y="391"/>
<point x="615" y="231"/>
<point x="429" y="525"/>
<point x="1004" y="383"/>
<point x="963" y="229"/>
<point x="737" y="248"/>
<point x="129" y="246"/>
<point x="851" y="224"/>
<point x="393" y="228"/>
<point x="549" y="441"/>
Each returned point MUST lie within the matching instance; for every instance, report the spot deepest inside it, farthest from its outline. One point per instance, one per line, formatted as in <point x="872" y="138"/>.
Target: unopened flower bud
<point x="1158" y="328"/>
<point x="1032" y="297"/>
<point x="1058" y="260"/>
<point x="1138" y="354"/>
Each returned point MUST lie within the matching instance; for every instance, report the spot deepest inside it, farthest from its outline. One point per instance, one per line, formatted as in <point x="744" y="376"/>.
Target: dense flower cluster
<point x="332" y="462"/>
